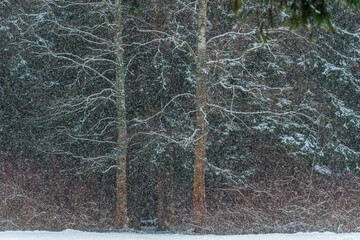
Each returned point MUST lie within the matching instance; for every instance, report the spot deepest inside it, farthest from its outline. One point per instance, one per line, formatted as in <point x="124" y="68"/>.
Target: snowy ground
<point x="72" y="235"/>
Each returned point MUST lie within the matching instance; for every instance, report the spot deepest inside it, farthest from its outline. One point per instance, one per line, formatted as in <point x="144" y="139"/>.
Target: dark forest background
<point x="282" y="114"/>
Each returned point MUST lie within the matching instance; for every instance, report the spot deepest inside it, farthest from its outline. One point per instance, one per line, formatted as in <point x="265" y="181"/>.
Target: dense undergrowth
<point x="284" y="204"/>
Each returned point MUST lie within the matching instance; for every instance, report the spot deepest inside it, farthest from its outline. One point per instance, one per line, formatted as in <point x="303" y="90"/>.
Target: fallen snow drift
<point x="78" y="235"/>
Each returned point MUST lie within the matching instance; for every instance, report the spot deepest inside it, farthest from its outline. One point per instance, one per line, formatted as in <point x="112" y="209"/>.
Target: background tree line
<point x="91" y="88"/>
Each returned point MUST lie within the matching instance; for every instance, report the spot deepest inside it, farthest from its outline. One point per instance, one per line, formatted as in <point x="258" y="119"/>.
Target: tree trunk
<point x="172" y="189"/>
<point x="121" y="196"/>
<point x="161" y="188"/>
<point x="161" y="175"/>
<point x="201" y="128"/>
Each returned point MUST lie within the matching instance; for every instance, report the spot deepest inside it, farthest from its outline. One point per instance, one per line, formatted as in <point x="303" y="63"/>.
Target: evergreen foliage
<point x="282" y="114"/>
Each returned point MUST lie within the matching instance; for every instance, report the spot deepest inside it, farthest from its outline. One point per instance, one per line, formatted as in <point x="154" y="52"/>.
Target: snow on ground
<point x="78" y="235"/>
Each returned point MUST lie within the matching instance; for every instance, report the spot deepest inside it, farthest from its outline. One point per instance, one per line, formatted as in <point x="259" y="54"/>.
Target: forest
<point x="206" y="116"/>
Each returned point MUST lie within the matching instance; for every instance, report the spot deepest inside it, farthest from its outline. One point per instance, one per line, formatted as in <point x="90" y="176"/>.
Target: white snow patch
<point x="308" y="146"/>
<point x="283" y="102"/>
<point x="264" y="126"/>
<point x="322" y="170"/>
<point x="78" y="235"/>
<point x="347" y="152"/>
<point x="4" y="28"/>
<point x="289" y="140"/>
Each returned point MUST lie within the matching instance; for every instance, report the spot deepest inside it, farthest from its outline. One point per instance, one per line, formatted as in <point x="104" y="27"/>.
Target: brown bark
<point x="201" y="126"/>
<point x="155" y="4"/>
<point x="172" y="192"/>
<point x="121" y="219"/>
<point x="161" y="188"/>
<point x="161" y="176"/>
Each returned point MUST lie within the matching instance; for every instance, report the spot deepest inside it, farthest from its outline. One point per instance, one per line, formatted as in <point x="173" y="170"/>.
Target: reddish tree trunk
<point x="121" y="218"/>
<point x="201" y="128"/>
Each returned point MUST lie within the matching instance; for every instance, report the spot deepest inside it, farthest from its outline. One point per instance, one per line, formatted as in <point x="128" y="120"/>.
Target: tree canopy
<point x="299" y="13"/>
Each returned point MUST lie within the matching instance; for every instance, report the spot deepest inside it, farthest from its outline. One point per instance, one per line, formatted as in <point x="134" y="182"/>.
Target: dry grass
<point x="289" y="205"/>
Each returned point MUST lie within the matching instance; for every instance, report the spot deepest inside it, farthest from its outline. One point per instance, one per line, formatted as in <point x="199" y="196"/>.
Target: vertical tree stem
<point x="121" y="195"/>
<point x="201" y="128"/>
